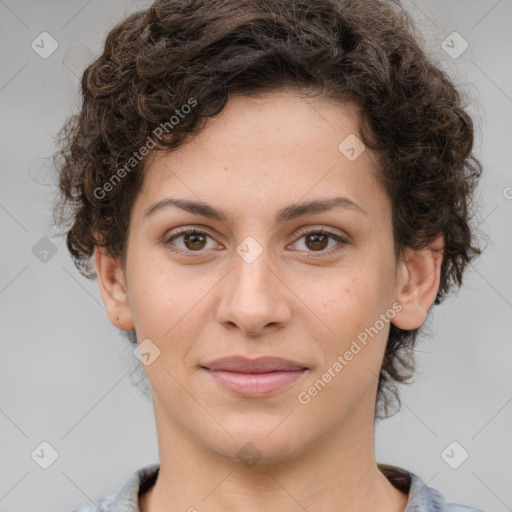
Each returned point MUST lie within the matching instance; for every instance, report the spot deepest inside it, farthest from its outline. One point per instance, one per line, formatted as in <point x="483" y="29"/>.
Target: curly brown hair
<point x="197" y="53"/>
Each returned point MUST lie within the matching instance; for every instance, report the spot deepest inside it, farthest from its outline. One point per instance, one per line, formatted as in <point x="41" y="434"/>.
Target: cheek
<point x="163" y="300"/>
<point x="356" y="343"/>
<point x="347" y="301"/>
<point x="351" y="305"/>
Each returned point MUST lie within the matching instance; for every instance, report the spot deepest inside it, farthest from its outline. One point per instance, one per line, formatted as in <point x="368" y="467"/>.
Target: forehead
<point x="268" y="152"/>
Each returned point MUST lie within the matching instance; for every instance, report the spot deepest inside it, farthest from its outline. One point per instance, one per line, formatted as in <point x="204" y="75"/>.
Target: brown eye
<point x="188" y="240"/>
<point x="317" y="241"/>
<point x="194" y="241"/>
<point x="320" y="241"/>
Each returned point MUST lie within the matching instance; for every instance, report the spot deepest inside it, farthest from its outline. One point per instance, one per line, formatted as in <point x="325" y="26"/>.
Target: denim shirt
<point x="421" y="497"/>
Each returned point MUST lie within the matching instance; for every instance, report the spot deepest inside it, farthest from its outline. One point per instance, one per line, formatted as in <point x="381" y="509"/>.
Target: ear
<point x="418" y="278"/>
<point x="113" y="289"/>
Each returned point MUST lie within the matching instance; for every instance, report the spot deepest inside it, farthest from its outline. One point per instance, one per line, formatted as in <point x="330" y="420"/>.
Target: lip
<point x="254" y="378"/>
<point x="263" y="364"/>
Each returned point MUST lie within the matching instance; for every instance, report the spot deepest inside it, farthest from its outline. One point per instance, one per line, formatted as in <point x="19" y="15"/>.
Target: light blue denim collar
<point x="422" y="498"/>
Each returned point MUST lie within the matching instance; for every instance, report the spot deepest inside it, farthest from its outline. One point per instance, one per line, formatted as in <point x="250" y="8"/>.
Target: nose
<point x="254" y="297"/>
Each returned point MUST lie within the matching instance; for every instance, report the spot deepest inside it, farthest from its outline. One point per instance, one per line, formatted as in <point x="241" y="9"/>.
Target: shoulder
<point x="456" y="507"/>
<point x="126" y="498"/>
<point x="430" y="499"/>
<point x="421" y="497"/>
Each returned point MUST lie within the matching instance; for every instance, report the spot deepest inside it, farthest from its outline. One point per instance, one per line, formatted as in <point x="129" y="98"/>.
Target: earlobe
<point x="113" y="289"/>
<point x="417" y="283"/>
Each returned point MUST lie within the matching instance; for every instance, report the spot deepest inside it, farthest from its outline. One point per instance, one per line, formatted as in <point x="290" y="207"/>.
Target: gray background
<point x="65" y="371"/>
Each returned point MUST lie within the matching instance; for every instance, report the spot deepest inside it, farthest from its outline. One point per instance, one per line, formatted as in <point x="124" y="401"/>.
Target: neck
<point x="333" y="473"/>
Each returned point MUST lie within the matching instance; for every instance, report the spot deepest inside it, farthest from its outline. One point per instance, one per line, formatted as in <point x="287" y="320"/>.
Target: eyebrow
<point x="291" y="212"/>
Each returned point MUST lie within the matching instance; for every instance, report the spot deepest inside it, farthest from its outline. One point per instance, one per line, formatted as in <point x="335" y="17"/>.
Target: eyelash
<point x="185" y="231"/>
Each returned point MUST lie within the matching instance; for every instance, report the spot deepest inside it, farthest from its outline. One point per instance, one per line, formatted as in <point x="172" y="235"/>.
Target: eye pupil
<point x="319" y="241"/>
<point x="193" y="237"/>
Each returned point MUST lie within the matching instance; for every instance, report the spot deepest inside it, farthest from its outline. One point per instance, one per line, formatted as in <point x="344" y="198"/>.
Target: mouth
<point x="254" y="378"/>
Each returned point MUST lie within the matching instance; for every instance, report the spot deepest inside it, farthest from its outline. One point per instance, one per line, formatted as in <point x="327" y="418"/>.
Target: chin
<point x="257" y="442"/>
<point x="251" y="451"/>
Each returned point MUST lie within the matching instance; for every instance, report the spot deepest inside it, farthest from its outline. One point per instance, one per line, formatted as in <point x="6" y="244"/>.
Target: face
<point x="263" y="276"/>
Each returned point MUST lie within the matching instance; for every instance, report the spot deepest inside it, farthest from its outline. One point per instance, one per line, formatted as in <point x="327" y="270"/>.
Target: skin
<point x="297" y="300"/>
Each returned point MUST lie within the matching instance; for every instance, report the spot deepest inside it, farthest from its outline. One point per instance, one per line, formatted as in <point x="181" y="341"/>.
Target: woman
<point x="273" y="194"/>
